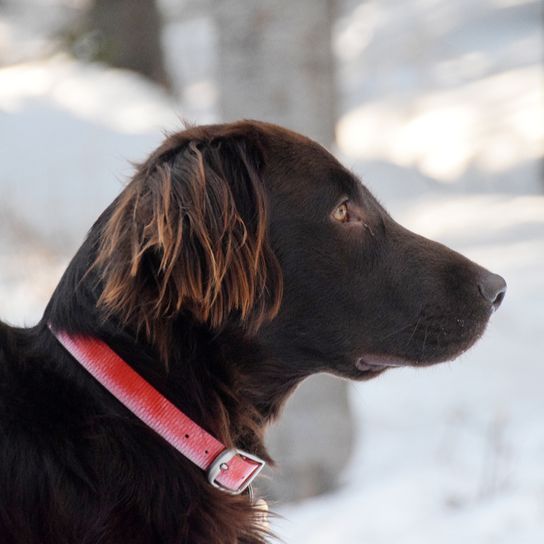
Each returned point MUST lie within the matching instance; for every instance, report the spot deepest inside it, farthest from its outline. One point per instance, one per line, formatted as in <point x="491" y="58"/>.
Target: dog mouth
<point x="437" y="345"/>
<point x="372" y="364"/>
<point x="377" y="363"/>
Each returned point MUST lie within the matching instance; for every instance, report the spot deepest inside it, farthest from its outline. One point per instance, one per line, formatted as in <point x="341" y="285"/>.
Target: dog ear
<point x="189" y="234"/>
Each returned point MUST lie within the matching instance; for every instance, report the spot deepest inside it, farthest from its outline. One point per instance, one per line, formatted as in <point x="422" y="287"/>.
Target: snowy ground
<point x="446" y="130"/>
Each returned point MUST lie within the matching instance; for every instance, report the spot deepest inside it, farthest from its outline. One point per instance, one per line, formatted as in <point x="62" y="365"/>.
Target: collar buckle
<point x="221" y="464"/>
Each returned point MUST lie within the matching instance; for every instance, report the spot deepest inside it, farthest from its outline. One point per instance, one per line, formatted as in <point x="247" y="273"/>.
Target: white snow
<point x="442" y="133"/>
<point x="441" y="113"/>
<point x="68" y="132"/>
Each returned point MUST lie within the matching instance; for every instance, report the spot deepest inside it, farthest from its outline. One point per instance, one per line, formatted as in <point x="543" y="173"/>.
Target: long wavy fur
<point x="189" y="234"/>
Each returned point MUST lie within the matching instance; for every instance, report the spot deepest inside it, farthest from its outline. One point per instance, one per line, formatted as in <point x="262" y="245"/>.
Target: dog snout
<point x="493" y="288"/>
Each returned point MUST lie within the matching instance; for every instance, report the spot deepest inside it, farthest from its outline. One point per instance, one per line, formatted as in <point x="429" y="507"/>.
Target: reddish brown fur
<point x="208" y="263"/>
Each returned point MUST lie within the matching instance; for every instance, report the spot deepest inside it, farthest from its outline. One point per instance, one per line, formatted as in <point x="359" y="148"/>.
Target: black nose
<point x="493" y="288"/>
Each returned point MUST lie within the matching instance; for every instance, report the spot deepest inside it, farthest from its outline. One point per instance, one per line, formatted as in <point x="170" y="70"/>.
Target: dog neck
<point x="222" y="380"/>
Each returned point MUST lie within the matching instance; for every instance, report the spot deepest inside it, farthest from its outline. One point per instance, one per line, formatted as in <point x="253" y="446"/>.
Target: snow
<point x="69" y="131"/>
<point x="443" y="132"/>
<point x="441" y="114"/>
<point x="450" y="89"/>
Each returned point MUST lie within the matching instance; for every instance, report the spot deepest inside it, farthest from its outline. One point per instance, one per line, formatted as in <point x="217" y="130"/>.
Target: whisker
<point x="414" y="331"/>
<point x="424" y="341"/>
<point x="397" y="331"/>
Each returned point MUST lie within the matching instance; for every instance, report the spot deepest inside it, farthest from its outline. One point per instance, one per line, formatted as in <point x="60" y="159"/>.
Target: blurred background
<point x="437" y="104"/>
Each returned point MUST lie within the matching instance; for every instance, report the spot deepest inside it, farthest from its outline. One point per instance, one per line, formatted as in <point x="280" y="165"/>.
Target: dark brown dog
<point x="239" y="260"/>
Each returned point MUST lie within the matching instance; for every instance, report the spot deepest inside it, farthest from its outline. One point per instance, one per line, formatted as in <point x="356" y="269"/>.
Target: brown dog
<point x="239" y="260"/>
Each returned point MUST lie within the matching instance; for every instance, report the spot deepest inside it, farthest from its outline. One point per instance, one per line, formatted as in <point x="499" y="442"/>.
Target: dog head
<point x="362" y="293"/>
<point x="262" y="229"/>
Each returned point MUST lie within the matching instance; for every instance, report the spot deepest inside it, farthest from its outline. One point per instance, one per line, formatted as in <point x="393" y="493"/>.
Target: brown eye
<point x="341" y="213"/>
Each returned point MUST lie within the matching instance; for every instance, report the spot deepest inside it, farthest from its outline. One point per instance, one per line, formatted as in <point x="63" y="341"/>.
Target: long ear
<point x="189" y="234"/>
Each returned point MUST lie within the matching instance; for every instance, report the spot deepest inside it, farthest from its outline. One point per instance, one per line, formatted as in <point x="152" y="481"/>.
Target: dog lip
<point x="379" y="362"/>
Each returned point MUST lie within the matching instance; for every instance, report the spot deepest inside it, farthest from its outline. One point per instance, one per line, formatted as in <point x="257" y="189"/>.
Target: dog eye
<point x="341" y="213"/>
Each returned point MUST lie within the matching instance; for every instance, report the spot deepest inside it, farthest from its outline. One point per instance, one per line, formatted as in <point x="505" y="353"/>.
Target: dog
<point x="240" y="259"/>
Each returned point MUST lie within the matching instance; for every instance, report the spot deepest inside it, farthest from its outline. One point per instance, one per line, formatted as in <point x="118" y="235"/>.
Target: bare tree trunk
<point x="128" y="34"/>
<point x="276" y="64"/>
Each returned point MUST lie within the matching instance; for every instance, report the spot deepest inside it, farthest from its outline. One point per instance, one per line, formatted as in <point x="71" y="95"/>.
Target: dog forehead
<point x="294" y="165"/>
<point x="299" y="167"/>
<point x="291" y="157"/>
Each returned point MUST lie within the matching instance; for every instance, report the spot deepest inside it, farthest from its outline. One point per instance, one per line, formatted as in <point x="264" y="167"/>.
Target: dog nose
<point x="493" y="288"/>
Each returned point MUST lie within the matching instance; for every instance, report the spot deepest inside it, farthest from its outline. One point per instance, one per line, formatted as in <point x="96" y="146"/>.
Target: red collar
<point x="230" y="470"/>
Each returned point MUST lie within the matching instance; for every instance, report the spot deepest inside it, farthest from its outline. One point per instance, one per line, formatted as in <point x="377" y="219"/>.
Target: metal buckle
<point x="222" y="460"/>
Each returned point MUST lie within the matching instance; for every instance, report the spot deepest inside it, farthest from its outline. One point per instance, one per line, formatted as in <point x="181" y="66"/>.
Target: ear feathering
<point x="189" y="234"/>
